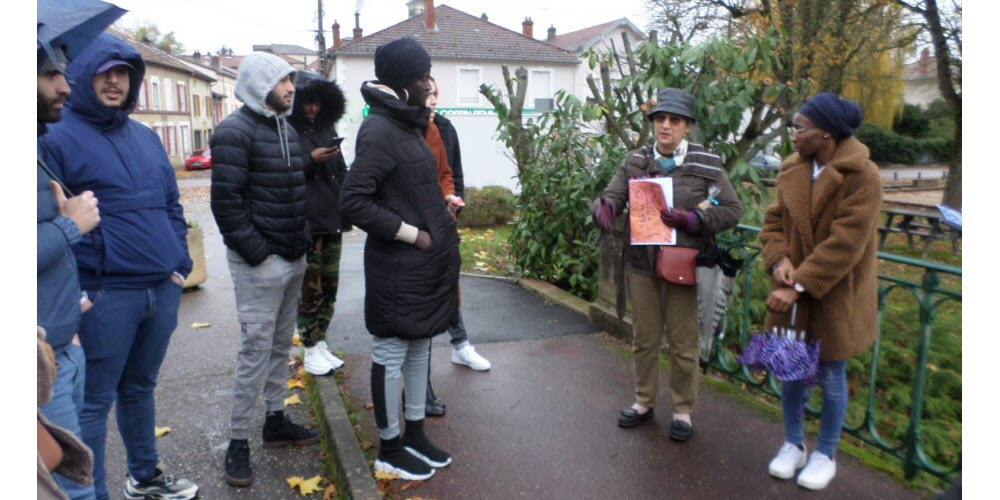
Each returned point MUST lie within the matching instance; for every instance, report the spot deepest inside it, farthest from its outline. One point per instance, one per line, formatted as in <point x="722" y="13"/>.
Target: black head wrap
<point x="833" y="114"/>
<point x="401" y="62"/>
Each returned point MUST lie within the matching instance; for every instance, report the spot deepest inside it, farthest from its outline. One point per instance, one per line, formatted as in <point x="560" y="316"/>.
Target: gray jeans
<point x="267" y="301"/>
<point x="393" y="359"/>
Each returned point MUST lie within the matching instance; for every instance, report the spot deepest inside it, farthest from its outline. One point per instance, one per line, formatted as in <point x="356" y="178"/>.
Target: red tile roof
<point x="461" y="36"/>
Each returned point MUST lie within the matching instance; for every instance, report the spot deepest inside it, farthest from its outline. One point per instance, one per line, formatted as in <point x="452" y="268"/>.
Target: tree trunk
<point x="953" y="186"/>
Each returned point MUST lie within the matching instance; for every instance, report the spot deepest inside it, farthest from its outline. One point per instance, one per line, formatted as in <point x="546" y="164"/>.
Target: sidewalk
<point x="195" y="382"/>
<point x="542" y="424"/>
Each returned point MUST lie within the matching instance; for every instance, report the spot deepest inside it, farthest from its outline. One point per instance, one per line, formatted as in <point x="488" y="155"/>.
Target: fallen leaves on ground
<point x="200" y="325"/>
<point x="161" y="431"/>
<point x="385" y="475"/>
<point x="293" y="400"/>
<point x="305" y="486"/>
<point x="411" y="484"/>
<point x="296" y="339"/>
<point x="368" y="406"/>
<point x="296" y="382"/>
<point x="310" y="485"/>
<point x="330" y="492"/>
<point x="366" y="445"/>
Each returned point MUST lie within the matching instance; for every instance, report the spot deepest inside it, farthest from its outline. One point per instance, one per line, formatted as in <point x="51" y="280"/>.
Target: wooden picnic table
<point x="918" y="222"/>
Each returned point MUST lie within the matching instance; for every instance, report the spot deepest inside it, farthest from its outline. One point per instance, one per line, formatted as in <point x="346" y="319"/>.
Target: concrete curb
<point x="557" y="295"/>
<point x="355" y="475"/>
<point x="598" y="312"/>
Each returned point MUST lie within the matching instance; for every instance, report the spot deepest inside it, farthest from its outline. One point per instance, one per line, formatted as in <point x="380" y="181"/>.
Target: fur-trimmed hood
<point x="311" y="87"/>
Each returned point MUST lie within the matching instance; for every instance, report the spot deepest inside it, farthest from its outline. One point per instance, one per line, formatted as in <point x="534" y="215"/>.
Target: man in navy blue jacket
<point x="61" y="223"/>
<point x="132" y="267"/>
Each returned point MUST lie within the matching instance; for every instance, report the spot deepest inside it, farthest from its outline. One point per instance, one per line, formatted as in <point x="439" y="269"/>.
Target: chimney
<point x="336" y="34"/>
<point x="484" y="17"/>
<point x="357" y="26"/>
<point x="526" y="27"/>
<point x="429" y="15"/>
<point x="925" y="61"/>
<point x="414" y="8"/>
<point x="196" y="57"/>
<point x="552" y="34"/>
<point x="215" y="63"/>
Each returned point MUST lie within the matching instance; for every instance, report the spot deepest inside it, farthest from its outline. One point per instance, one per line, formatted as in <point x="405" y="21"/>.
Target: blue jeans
<point x="125" y="336"/>
<point x="64" y="407"/>
<point x="795" y="395"/>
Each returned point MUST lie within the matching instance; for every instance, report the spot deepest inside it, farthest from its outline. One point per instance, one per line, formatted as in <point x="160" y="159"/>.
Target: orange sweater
<point x="433" y="138"/>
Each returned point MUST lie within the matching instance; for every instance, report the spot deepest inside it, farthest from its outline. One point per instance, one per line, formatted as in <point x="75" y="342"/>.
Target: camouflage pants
<point x="319" y="288"/>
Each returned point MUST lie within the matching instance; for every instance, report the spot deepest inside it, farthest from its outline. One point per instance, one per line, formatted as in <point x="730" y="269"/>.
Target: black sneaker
<point x="162" y="487"/>
<point x="280" y="431"/>
<point x="394" y="459"/>
<point x="415" y="442"/>
<point x="238" y="471"/>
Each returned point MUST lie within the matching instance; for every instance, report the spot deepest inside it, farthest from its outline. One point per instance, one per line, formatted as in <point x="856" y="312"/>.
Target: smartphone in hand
<point x="335" y="143"/>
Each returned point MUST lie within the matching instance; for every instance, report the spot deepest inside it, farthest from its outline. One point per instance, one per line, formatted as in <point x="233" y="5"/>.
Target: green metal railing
<point x="929" y="296"/>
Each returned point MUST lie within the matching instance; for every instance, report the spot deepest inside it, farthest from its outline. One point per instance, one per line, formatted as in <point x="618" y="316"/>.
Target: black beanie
<point x="833" y="114"/>
<point x="401" y="62"/>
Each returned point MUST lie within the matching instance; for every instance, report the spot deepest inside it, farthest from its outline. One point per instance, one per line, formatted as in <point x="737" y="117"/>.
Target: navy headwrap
<point x="401" y="62"/>
<point x="833" y="114"/>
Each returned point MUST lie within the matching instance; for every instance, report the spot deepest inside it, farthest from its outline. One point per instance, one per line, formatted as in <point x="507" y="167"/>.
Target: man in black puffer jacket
<point x="411" y="255"/>
<point x="318" y="105"/>
<point x="259" y="203"/>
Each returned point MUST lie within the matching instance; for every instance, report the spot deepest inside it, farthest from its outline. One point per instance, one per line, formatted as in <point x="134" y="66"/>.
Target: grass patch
<point x="486" y="251"/>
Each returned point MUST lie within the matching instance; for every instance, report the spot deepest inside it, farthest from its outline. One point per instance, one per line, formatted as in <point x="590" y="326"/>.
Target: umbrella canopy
<point x="70" y="25"/>
<point x="785" y="353"/>
<point x="715" y="273"/>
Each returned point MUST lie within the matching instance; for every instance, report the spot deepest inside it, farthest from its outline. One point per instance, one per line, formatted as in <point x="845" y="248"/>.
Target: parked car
<point x="767" y="163"/>
<point x="199" y="159"/>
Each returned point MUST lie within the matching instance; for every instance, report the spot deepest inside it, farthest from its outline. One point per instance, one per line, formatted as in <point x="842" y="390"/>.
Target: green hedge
<point x="887" y="146"/>
<point x="489" y="206"/>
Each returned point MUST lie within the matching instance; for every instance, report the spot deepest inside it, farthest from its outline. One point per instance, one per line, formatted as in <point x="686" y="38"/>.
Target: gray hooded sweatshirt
<point x="259" y="72"/>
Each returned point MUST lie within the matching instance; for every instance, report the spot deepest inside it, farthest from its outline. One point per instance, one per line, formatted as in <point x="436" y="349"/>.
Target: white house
<point x="600" y="39"/>
<point x="466" y="51"/>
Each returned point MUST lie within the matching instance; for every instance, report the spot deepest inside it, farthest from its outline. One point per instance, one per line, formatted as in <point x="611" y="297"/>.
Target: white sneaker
<point x="469" y="357"/>
<point x="325" y="350"/>
<point x="789" y="459"/>
<point x="316" y="363"/>
<point x="818" y="472"/>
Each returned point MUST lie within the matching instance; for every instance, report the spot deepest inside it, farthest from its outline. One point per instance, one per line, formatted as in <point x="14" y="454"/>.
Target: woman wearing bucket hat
<point x="704" y="204"/>
<point x="819" y="245"/>
<point x="411" y="254"/>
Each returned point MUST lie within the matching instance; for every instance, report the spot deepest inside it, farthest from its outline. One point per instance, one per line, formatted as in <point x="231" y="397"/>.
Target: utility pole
<point x="320" y="40"/>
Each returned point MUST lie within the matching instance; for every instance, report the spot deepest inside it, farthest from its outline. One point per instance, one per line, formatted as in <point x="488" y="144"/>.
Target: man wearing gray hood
<point x="259" y="203"/>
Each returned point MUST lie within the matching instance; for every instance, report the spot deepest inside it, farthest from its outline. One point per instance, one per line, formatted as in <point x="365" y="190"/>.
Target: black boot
<point x="394" y="459"/>
<point x="238" y="471"/>
<point x="434" y="406"/>
<point x="417" y="443"/>
<point x="280" y="431"/>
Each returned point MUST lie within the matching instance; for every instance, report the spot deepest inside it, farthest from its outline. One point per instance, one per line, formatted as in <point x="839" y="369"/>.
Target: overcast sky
<point x="239" y="24"/>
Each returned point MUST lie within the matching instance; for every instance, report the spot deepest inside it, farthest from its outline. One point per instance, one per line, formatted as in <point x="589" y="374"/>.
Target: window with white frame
<point x="181" y="96"/>
<point x="154" y="87"/>
<point x="539" y="85"/>
<point x="168" y="94"/>
<point x="468" y="86"/>
<point x="143" y="88"/>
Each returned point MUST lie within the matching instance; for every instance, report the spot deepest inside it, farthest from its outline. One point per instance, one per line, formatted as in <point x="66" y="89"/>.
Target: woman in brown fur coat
<point x="820" y="247"/>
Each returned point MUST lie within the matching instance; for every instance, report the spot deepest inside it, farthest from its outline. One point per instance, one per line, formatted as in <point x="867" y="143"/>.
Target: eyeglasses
<point x="797" y="129"/>
<point x="673" y="119"/>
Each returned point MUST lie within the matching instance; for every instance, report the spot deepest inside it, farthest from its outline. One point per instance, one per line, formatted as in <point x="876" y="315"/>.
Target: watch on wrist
<point x="798" y="287"/>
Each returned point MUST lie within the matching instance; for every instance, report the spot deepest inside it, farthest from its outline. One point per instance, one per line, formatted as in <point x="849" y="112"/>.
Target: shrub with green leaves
<point x="486" y="207"/>
<point x="553" y="237"/>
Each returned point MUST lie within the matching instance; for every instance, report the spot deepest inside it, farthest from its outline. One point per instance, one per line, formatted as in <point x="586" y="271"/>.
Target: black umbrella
<point x="70" y="25"/>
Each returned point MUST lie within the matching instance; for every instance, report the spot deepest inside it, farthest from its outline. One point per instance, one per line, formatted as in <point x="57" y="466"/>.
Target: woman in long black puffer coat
<point x="411" y="255"/>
